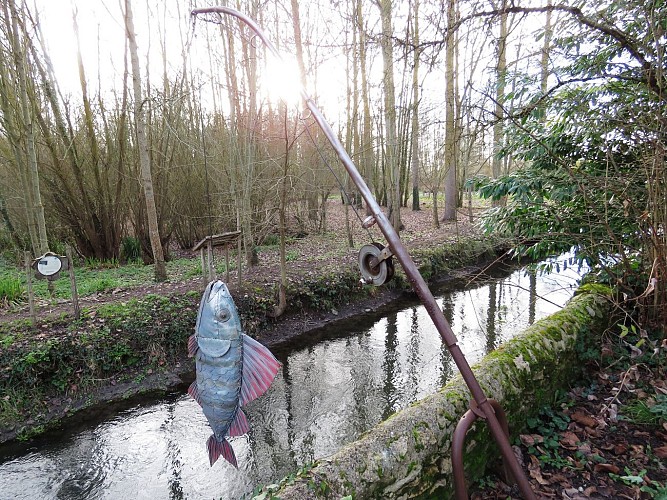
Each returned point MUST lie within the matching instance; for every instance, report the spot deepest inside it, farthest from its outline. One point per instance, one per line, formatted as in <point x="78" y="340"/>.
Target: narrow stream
<point x="346" y="380"/>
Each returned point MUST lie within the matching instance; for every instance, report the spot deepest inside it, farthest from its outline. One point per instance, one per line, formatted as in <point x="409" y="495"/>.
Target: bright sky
<point x="102" y="38"/>
<point x="102" y="35"/>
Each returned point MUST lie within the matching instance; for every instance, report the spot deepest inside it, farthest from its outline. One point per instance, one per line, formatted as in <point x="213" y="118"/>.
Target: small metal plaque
<point x="49" y="265"/>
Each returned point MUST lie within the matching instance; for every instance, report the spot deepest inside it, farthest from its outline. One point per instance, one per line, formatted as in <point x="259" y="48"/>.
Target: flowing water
<point x="334" y="386"/>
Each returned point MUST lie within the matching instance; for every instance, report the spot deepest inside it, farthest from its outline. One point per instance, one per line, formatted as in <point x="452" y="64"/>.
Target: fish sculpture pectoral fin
<point x="259" y="369"/>
<point x="240" y="425"/>
<point x="193" y="347"/>
<point x="193" y="391"/>
<point x="222" y="448"/>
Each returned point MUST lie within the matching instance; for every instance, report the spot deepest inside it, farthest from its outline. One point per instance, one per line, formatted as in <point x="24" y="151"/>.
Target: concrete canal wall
<point x="408" y="455"/>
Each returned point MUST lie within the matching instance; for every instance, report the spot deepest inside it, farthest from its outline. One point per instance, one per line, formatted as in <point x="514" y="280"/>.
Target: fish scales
<point x="232" y="369"/>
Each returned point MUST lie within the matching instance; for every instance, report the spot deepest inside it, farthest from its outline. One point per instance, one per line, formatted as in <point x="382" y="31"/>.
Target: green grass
<point x="96" y="277"/>
<point x="643" y="412"/>
<point x="11" y="288"/>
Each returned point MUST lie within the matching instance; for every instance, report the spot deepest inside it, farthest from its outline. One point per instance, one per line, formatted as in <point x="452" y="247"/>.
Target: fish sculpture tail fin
<point x="217" y="448"/>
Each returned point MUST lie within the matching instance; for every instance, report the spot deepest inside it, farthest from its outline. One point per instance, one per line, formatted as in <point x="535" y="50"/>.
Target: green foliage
<point x="271" y="240"/>
<point x="549" y="424"/>
<point x="95" y="263"/>
<point x="646" y="412"/>
<point x="150" y="332"/>
<point x="194" y="271"/>
<point x="591" y="160"/>
<point x="656" y="490"/>
<point x="325" y="291"/>
<point x="269" y="491"/>
<point x="130" y="249"/>
<point x="11" y="289"/>
<point x="99" y="285"/>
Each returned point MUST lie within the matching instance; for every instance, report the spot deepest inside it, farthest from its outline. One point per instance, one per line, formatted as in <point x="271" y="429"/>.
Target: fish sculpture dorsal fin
<point x="259" y="369"/>
<point x="214" y="348"/>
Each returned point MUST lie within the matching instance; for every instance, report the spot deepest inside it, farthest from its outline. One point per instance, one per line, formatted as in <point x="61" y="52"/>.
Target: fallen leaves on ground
<point x="601" y="454"/>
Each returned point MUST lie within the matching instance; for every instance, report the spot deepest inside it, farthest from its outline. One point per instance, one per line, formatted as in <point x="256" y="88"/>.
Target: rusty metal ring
<point x="373" y="270"/>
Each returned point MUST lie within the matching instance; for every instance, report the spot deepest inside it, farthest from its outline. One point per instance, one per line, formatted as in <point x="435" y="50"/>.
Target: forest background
<point x="173" y="130"/>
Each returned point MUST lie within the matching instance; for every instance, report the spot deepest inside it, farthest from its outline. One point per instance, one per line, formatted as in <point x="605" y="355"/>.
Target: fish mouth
<point x="214" y="288"/>
<point x="208" y="294"/>
<point x="206" y="297"/>
<point x="216" y="291"/>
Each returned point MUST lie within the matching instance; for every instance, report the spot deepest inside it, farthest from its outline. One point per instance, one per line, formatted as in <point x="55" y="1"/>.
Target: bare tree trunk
<point x="451" y="186"/>
<point x="250" y="136"/>
<point x="306" y="148"/>
<point x="393" y="189"/>
<point x="544" y="62"/>
<point x="368" y="157"/>
<point x="351" y="136"/>
<point x="36" y="214"/>
<point x="415" y="109"/>
<point x="501" y="69"/>
<point x="235" y="112"/>
<point x="11" y="128"/>
<point x="142" y="144"/>
<point x="282" y="288"/>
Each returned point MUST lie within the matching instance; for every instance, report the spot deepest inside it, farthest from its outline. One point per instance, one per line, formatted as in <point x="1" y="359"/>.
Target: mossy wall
<point x="408" y="455"/>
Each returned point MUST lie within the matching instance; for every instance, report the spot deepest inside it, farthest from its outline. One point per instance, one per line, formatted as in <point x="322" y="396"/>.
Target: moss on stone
<point x="522" y="376"/>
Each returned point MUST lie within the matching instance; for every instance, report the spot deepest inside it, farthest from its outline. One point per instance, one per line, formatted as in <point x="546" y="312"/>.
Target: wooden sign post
<point x="206" y="246"/>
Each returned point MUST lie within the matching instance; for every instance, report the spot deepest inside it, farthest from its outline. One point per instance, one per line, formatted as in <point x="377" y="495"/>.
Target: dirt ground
<point x="314" y="253"/>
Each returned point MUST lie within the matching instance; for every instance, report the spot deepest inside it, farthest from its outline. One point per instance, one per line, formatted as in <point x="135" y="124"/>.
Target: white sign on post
<point x="49" y="265"/>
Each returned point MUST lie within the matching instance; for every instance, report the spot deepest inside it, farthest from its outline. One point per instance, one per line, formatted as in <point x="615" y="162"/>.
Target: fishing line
<point x="340" y="184"/>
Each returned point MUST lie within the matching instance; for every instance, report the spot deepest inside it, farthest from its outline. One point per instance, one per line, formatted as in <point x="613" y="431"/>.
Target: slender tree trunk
<point x="368" y="157"/>
<point x="391" y="163"/>
<point x="351" y="129"/>
<point x="282" y="288"/>
<point x="451" y="185"/>
<point x="544" y="62"/>
<point x="235" y="114"/>
<point x="415" y="110"/>
<point x="36" y="215"/>
<point x="306" y="148"/>
<point x="501" y="69"/>
<point x="12" y="129"/>
<point x="250" y="145"/>
<point x="142" y="144"/>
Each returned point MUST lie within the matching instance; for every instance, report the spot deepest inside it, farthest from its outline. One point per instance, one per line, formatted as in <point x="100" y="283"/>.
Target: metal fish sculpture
<point x="232" y="369"/>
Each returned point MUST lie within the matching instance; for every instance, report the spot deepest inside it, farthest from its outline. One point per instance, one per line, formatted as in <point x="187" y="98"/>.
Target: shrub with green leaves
<point x="79" y="353"/>
<point x="130" y="249"/>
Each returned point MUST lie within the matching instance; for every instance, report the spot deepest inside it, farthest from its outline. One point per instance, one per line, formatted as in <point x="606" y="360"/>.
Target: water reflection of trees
<point x="491" y="311"/>
<point x="390" y="366"/>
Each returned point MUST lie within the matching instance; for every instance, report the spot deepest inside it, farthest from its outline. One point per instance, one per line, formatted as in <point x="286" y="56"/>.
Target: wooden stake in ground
<point x="72" y="281"/>
<point x="28" y="275"/>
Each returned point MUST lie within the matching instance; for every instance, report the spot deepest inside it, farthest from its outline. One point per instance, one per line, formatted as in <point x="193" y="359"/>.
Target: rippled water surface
<point x="340" y="385"/>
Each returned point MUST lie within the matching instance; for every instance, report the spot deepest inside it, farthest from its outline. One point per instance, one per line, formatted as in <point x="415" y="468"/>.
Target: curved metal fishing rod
<point x="484" y="408"/>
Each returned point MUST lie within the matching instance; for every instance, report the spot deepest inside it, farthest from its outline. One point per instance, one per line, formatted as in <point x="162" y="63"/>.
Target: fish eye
<point x="223" y="314"/>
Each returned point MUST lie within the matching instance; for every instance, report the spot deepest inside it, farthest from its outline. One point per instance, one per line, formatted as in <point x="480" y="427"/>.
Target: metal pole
<point x="416" y="280"/>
